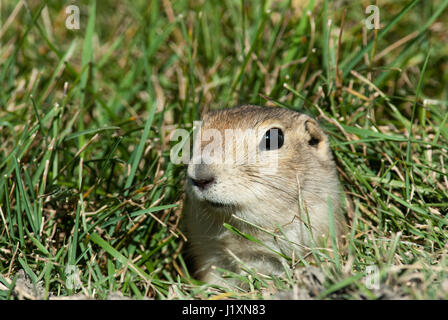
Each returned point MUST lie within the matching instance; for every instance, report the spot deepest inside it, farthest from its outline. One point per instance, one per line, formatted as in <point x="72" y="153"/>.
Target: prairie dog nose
<point x="202" y="184"/>
<point x="201" y="176"/>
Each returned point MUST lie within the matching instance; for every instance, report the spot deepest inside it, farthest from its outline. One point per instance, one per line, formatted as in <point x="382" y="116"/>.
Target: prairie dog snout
<point x="269" y="167"/>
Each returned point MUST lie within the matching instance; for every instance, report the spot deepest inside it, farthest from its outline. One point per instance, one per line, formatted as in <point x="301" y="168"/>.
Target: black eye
<point x="273" y="139"/>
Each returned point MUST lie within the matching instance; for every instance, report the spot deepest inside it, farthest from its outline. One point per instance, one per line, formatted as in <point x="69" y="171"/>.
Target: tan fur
<point x="267" y="199"/>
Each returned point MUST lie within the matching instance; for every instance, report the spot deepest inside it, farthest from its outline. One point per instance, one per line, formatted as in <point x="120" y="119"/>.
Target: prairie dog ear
<point x="317" y="140"/>
<point x="316" y="136"/>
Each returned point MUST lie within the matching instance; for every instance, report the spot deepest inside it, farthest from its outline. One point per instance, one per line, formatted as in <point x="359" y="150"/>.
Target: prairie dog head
<point x="256" y="162"/>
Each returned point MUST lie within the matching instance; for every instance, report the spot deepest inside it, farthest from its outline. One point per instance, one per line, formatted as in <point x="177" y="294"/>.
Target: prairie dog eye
<point x="273" y="139"/>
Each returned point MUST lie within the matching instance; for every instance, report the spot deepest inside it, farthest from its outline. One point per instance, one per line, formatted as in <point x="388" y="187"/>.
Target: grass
<point x="85" y="117"/>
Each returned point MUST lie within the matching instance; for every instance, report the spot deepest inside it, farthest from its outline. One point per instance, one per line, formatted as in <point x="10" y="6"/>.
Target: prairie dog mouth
<point x="219" y="204"/>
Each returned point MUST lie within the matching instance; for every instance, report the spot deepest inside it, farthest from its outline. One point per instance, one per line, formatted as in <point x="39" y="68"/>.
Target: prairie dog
<point x="282" y="177"/>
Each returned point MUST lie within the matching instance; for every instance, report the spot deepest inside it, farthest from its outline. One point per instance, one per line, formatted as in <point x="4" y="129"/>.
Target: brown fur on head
<point x="289" y="186"/>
